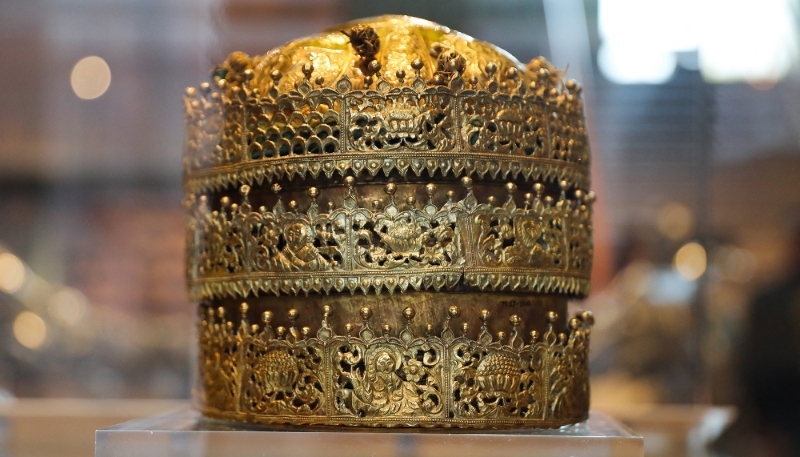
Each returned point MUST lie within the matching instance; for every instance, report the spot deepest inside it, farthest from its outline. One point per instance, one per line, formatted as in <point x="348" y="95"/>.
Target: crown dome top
<point x="391" y="47"/>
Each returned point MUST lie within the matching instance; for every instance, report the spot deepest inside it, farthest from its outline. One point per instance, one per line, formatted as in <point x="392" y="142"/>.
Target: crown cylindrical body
<point x="385" y="224"/>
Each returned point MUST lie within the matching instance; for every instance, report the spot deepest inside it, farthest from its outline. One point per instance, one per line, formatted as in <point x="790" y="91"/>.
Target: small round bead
<point x="374" y="66"/>
<point x="485" y="315"/>
<point x="552" y="317"/>
<point x="313" y="192"/>
<point x="571" y="84"/>
<point x="243" y="308"/>
<point x="453" y="311"/>
<point x="349" y="181"/>
<point x="292" y="314"/>
<point x="409" y="313"/>
<point x="366" y="313"/>
<point x="390" y="188"/>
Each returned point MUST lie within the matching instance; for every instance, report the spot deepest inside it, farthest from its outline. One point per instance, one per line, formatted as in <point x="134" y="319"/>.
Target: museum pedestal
<point x="184" y="433"/>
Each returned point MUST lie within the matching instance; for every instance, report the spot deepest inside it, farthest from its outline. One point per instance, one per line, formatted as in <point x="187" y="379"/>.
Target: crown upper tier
<point x="388" y="95"/>
<point x="392" y="101"/>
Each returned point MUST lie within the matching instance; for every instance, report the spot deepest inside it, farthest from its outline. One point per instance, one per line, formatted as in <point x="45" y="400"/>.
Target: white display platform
<point x="184" y="433"/>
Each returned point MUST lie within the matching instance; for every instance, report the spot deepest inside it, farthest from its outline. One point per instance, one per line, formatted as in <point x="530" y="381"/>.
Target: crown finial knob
<point x="308" y="70"/>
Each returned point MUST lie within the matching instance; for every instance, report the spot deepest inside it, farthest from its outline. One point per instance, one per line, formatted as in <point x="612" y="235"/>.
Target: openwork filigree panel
<point x="254" y="373"/>
<point x="542" y="246"/>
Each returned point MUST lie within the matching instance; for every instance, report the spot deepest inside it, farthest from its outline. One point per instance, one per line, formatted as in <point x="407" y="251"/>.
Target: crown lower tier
<point x="467" y="360"/>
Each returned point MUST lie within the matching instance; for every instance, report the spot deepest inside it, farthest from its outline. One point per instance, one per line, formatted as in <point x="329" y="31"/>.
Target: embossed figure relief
<point x="391" y="165"/>
<point x="425" y="245"/>
<point x="393" y="379"/>
<point x="514" y="125"/>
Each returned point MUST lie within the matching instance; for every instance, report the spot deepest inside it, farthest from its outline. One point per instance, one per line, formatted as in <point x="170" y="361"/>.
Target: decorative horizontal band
<point x="378" y="282"/>
<point x="543" y="246"/>
<point x="324" y="131"/>
<point x="478" y="165"/>
<point x="252" y="373"/>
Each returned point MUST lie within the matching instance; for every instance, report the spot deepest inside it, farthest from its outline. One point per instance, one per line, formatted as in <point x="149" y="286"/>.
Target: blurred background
<point x="694" y="115"/>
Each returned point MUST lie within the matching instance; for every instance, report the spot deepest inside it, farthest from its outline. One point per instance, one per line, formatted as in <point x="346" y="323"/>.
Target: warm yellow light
<point x="690" y="261"/>
<point x="675" y="221"/>
<point x="30" y="330"/>
<point x="90" y="78"/>
<point x="12" y="273"/>
<point x="67" y="306"/>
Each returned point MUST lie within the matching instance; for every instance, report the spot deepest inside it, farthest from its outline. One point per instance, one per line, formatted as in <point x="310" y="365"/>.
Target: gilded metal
<point x="392" y="245"/>
<point x="385" y="378"/>
<point x="399" y="192"/>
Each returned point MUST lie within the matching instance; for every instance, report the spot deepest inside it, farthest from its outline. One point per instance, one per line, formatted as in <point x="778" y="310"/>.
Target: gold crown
<point x="388" y="169"/>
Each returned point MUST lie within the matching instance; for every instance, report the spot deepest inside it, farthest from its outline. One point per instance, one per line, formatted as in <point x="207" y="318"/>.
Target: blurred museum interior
<point x="693" y="108"/>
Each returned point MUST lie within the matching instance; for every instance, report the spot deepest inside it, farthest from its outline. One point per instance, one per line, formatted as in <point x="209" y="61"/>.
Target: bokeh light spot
<point x="690" y="261"/>
<point x="675" y="221"/>
<point x="30" y="330"/>
<point x="735" y="264"/>
<point x="12" y="273"/>
<point x="90" y="78"/>
<point x="67" y="306"/>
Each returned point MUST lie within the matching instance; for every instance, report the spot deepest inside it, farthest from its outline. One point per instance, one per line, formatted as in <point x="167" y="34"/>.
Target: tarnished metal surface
<point x="404" y="211"/>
